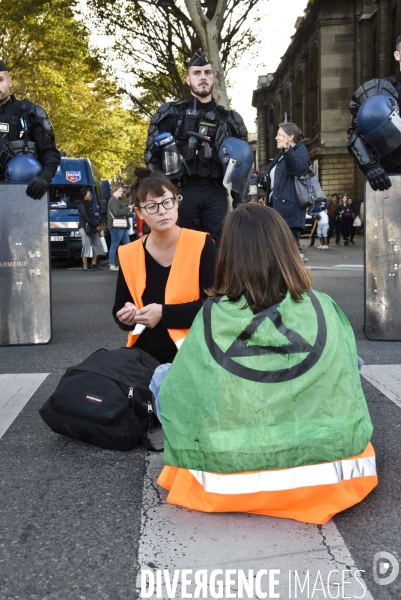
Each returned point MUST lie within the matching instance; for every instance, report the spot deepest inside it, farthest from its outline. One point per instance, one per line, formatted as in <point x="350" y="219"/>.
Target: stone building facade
<point x="336" y="47"/>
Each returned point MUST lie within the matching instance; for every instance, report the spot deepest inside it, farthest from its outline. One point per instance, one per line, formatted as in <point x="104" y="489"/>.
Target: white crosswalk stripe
<point x="15" y="391"/>
<point x="238" y="550"/>
<point x="387" y="379"/>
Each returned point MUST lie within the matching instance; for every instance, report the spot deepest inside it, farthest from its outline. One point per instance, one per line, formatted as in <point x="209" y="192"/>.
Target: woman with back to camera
<point x="291" y="161"/>
<point x="263" y="410"/>
<point x="160" y="286"/>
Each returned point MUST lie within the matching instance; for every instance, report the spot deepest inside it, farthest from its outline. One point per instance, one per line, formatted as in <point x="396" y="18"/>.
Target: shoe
<point x="304" y="258"/>
<point x="87" y="268"/>
<point x="114" y="268"/>
<point x="346" y="243"/>
<point x="337" y="243"/>
<point x="325" y="247"/>
<point x="352" y="241"/>
<point x="96" y="268"/>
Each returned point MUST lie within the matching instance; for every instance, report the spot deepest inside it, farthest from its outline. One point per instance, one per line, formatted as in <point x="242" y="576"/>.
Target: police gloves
<point x="378" y="178"/>
<point x="37" y="188"/>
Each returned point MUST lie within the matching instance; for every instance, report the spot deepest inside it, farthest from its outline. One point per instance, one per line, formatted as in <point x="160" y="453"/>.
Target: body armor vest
<point x="15" y="138"/>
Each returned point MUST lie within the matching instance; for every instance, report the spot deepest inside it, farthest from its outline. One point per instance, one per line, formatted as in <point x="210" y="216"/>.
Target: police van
<point x="73" y="174"/>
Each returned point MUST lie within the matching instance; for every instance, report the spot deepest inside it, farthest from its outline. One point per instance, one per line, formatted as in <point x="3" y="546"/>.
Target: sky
<point x="274" y="33"/>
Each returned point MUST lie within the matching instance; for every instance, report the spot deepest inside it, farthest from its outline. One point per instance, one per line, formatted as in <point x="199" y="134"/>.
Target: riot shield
<point x="383" y="262"/>
<point x="24" y="267"/>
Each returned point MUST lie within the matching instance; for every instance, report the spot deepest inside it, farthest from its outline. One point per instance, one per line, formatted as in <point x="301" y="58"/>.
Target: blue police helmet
<point x="380" y="123"/>
<point x="22" y="168"/>
<point x="237" y="159"/>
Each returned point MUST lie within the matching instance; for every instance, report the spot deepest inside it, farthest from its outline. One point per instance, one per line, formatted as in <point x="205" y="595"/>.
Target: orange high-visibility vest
<point x="183" y="280"/>
<point x="312" y="494"/>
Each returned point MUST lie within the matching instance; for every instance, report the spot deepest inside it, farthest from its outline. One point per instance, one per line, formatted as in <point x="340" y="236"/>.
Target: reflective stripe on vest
<point x="183" y="280"/>
<point x="312" y="494"/>
<point x="286" y="479"/>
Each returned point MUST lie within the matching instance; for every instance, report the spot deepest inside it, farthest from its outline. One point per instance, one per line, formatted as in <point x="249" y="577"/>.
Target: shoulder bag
<point x="119" y="223"/>
<point x="308" y="188"/>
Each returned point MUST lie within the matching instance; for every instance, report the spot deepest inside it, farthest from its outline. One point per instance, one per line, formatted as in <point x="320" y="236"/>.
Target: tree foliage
<point x="155" y="41"/>
<point x="47" y="52"/>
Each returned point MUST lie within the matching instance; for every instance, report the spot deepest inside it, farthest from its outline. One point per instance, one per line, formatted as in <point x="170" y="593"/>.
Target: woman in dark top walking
<point x="347" y="214"/>
<point x="162" y="277"/>
<point x="291" y="161"/>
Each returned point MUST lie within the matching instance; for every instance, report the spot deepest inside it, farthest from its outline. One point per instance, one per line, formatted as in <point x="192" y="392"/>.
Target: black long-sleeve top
<point x="157" y="341"/>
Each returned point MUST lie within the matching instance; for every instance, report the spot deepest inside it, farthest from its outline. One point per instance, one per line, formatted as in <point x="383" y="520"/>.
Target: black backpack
<point x="105" y="400"/>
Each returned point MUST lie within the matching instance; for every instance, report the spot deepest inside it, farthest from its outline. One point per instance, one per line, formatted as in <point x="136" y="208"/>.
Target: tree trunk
<point x="208" y="31"/>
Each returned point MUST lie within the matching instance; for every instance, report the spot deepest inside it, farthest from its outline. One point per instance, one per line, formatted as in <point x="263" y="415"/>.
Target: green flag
<point x="271" y="390"/>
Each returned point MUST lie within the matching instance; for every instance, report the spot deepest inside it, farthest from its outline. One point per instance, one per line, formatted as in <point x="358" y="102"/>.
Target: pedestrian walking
<point x="347" y="215"/>
<point x="334" y="221"/>
<point x="89" y="227"/>
<point x="117" y="209"/>
<point x="291" y="160"/>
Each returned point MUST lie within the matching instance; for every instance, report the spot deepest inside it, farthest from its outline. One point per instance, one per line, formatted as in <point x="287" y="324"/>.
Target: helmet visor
<point x="237" y="176"/>
<point x="387" y="137"/>
<point x="171" y="162"/>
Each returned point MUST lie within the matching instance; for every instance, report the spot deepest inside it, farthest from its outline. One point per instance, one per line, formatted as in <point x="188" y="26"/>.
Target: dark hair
<point x="292" y="129"/>
<point x="335" y="194"/>
<point x="397" y="43"/>
<point x="82" y="192"/>
<point x="150" y="182"/>
<point x="258" y="257"/>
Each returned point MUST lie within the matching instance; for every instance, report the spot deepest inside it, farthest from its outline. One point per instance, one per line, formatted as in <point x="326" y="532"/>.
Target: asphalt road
<point x="71" y="513"/>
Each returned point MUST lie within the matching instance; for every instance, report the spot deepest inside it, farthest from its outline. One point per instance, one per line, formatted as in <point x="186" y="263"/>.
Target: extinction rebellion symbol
<point x="240" y="347"/>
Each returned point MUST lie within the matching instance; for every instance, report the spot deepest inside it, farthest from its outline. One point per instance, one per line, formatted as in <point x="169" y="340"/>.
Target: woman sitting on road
<point x="162" y="277"/>
<point x="263" y="410"/>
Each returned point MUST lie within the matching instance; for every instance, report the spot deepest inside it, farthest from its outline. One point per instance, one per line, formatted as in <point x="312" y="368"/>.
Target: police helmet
<point x="22" y="168"/>
<point x="237" y="159"/>
<point x="380" y="123"/>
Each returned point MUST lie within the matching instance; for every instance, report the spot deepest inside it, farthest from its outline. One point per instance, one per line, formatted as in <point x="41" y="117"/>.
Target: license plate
<point x="56" y="238"/>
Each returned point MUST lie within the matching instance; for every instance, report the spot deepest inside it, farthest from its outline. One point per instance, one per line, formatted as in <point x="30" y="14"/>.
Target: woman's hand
<point x="149" y="315"/>
<point x="127" y="314"/>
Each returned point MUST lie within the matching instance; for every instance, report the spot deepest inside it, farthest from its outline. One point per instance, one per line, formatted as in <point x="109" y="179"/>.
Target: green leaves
<point x="46" y="50"/>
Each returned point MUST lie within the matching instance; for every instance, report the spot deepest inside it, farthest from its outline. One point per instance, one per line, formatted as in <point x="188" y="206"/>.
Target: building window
<point x="314" y="95"/>
<point x="299" y="101"/>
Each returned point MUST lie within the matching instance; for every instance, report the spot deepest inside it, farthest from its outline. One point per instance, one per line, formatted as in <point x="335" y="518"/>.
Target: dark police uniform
<point x="204" y="202"/>
<point x="25" y="128"/>
<point x="357" y="145"/>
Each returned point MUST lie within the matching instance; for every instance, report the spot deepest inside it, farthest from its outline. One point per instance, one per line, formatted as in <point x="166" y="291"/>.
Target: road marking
<point x="387" y="379"/>
<point x="174" y="538"/>
<point x="15" y="391"/>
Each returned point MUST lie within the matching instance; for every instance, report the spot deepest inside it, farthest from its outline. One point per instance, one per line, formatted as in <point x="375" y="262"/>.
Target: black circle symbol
<point x="240" y="347"/>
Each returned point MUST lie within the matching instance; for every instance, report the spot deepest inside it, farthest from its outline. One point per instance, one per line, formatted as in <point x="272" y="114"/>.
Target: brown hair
<point x="258" y="257"/>
<point x="115" y="186"/>
<point x="150" y="182"/>
<point x="292" y="129"/>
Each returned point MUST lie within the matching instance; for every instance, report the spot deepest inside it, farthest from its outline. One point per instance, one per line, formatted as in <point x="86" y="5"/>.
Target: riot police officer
<point x="25" y="129"/>
<point x="184" y="138"/>
<point x="375" y="133"/>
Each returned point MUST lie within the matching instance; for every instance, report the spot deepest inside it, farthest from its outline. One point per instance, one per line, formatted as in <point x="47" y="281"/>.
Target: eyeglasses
<point x="153" y="208"/>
